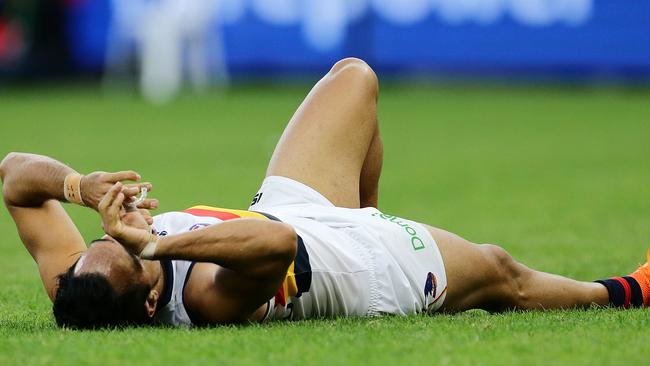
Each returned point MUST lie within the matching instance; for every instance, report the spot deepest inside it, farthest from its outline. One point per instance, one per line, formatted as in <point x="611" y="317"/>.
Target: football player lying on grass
<point x="312" y="244"/>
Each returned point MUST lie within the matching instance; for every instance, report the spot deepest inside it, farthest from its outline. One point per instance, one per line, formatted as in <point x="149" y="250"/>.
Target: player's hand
<point x="95" y="185"/>
<point x="115" y="221"/>
<point x="139" y="218"/>
<point x="131" y="192"/>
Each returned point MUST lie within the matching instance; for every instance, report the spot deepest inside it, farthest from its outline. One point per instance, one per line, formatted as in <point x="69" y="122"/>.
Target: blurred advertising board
<point x="558" y="37"/>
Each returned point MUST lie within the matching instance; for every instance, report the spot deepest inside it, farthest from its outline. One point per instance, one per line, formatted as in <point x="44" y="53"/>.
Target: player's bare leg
<point x="332" y="142"/>
<point x="487" y="277"/>
<point x="369" y="183"/>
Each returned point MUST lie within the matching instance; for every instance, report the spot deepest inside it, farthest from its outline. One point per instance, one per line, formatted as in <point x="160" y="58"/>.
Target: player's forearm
<point x="30" y="179"/>
<point x="259" y="249"/>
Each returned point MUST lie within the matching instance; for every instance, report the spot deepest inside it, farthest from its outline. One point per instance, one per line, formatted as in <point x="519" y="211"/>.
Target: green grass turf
<point x="559" y="177"/>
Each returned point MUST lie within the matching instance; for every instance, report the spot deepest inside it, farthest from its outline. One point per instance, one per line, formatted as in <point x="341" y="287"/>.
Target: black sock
<point x="623" y="292"/>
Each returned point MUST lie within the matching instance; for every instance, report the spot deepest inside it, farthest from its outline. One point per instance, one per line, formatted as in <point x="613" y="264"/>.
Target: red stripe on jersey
<point x="280" y="297"/>
<point x="210" y="213"/>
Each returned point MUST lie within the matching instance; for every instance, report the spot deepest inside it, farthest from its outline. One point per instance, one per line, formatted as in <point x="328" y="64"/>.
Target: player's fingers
<point x="147" y="216"/>
<point x="124" y="175"/>
<point x="109" y="197"/>
<point x="111" y="216"/>
<point x="149" y="204"/>
<point x="132" y="190"/>
<point x="139" y="186"/>
<point x="115" y="203"/>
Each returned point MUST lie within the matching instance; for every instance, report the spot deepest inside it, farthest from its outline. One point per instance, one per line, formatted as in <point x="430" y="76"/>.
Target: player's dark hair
<point x="88" y="301"/>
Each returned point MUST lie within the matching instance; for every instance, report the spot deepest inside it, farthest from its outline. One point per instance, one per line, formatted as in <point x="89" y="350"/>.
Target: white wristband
<point x="150" y="249"/>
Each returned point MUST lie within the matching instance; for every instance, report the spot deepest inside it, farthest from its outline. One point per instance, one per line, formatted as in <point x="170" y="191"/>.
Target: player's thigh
<point x="477" y="274"/>
<point x="325" y="143"/>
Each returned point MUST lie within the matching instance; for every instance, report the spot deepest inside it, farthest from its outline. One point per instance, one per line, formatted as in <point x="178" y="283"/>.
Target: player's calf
<point x="508" y="288"/>
<point x="487" y="277"/>
<point x="511" y="285"/>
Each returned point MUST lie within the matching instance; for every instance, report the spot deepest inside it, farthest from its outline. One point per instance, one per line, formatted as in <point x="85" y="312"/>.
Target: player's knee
<point x="349" y="61"/>
<point x="359" y="73"/>
<point x="509" y="275"/>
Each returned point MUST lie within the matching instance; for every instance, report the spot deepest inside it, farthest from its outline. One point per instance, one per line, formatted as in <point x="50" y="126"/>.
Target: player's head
<point x="107" y="287"/>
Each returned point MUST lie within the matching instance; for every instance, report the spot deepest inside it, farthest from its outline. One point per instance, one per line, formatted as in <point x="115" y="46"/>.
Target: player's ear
<point x="151" y="302"/>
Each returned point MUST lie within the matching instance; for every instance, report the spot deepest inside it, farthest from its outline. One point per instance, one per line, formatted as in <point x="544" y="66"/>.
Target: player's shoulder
<point x="170" y="215"/>
<point x="173" y="222"/>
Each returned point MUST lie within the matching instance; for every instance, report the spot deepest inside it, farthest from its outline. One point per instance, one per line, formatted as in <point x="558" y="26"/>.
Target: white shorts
<point x="364" y="262"/>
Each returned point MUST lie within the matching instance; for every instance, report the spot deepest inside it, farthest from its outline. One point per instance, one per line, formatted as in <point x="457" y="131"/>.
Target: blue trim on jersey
<point x="168" y="286"/>
<point x="301" y="264"/>
<point x="302" y="268"/>
<point x="192" y="316"/>
<point x="268" y="216"/>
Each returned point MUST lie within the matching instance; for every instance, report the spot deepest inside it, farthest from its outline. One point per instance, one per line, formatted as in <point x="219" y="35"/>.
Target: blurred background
<point x="160" y="47"/>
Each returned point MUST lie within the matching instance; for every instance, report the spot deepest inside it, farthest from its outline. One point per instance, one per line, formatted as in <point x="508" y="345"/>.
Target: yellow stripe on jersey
<point x="222" y="213"/>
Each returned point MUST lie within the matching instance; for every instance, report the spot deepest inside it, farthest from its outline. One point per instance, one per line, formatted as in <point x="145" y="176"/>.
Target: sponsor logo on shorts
<point x="416" y="242"/>
<point x="256" y="198"/>
<point x="198" y="226"/>
<point x="430" y="289"/>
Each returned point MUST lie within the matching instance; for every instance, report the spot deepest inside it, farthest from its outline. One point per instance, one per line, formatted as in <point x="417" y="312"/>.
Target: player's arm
<point x="254" y="255"/>
<point x="32" y="188"/>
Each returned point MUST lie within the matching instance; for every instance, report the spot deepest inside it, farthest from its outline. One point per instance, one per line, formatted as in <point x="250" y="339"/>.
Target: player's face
<point x="108" y="258"/>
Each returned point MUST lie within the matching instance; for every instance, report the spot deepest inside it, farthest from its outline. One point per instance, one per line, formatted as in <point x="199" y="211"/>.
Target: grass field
<point x="559" y="177"/>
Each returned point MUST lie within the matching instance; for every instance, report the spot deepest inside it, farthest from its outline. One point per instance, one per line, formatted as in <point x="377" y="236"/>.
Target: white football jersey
<point x="171" y="309"/>
<point x="349" y="262"/>
<point x="326" y="278"/>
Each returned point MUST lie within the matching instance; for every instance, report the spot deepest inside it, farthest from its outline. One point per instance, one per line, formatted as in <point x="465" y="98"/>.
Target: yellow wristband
<point x="72" y="188"/>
